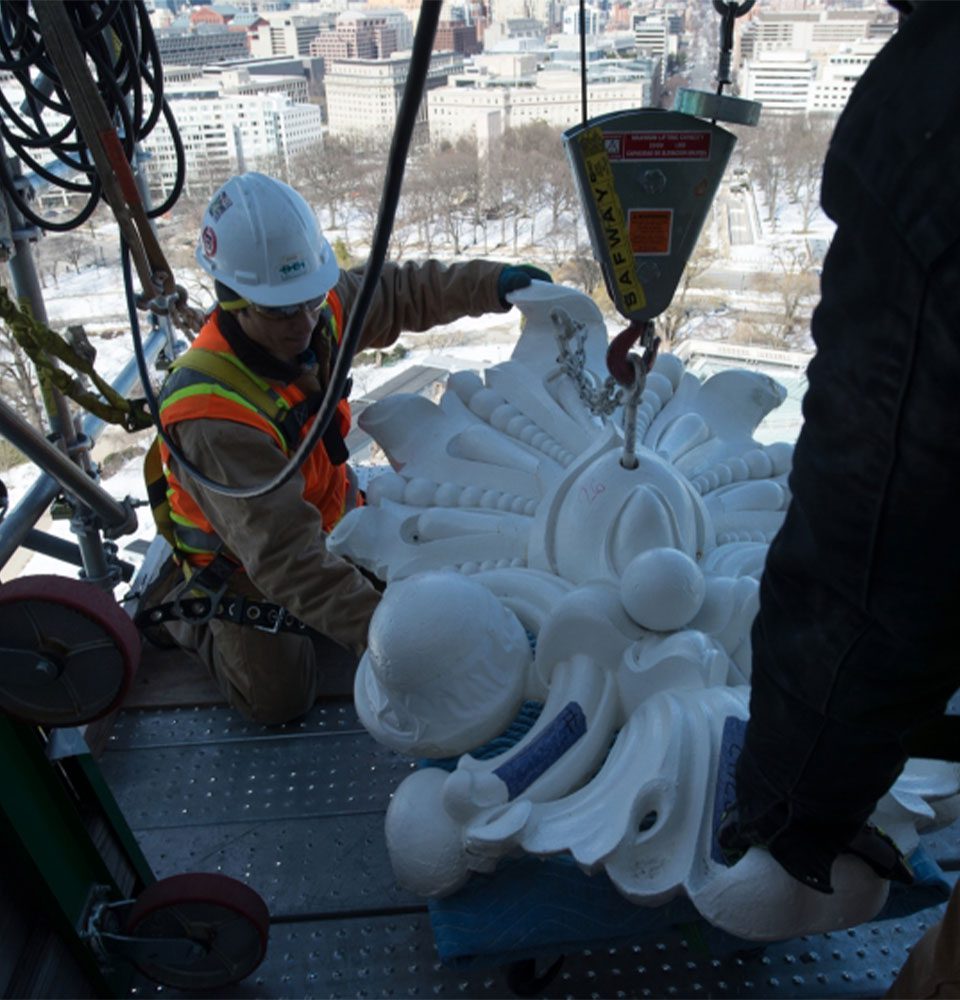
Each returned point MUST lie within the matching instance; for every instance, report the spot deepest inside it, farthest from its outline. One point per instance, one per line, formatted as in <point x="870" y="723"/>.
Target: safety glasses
<point x="288" y="312"/>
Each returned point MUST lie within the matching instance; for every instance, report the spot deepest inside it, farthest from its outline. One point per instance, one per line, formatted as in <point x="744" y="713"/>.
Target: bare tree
<point x="456" y="175"/>
<point x="559" y="190"/>
<point x="423" y="198"/>
<point x="365" y="197"/>
<point x="580" y="270"/>
<point x="205" y="174"/>
<point x="403" y="231"/>
<point x="521" y="189"/>
<point x="48" y="262"/>
<point x="759" y="332"/>
<point x="763" y="153"/>
<point x="72" y="247"/>
<point x="324" y="174"/>
<point x="796" y="286"/>
<point x="805" y="140"/>
<point x="554" y="248"/>
<point x="19" y="385"/>
<point x="273" y="165"/>
<point x="673" y="317"/>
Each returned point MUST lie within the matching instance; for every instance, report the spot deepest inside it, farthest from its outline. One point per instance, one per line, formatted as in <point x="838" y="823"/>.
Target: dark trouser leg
<point x="853" y="643"/>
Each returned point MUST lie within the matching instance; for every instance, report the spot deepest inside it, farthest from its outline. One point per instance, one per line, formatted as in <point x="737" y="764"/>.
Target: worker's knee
<point x="269" y="678"/>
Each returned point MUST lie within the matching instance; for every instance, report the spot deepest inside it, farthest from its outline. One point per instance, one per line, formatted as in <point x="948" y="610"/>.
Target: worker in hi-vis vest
<point x="237" y="404"/>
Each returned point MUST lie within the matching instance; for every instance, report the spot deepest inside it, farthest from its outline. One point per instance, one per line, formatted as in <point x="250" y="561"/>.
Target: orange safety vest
<point x="194" y="394"/>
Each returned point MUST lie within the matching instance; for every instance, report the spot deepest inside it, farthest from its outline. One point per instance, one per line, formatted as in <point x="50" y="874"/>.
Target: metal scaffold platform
<point x="297" y="812"/>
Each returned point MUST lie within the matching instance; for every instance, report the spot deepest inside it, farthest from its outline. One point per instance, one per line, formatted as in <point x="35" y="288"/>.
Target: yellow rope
<point x="43" y="345"/>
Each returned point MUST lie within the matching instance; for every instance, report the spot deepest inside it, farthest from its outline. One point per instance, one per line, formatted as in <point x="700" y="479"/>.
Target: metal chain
<point x="572" y="338"/>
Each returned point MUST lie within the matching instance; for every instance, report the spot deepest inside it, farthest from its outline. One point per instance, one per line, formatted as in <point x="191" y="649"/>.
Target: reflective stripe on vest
<point x="189" y="394"/>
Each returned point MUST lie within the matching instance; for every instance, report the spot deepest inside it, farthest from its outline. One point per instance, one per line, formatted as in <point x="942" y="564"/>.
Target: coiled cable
<point x="121" y="50"/>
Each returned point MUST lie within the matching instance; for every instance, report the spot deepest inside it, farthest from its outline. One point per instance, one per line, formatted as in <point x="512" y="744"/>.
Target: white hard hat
<point x="261" y="238"/>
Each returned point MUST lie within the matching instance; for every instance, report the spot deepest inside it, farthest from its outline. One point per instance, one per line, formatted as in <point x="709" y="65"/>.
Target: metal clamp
<point x="107" y="944"/>
<point x="197" y="609"/>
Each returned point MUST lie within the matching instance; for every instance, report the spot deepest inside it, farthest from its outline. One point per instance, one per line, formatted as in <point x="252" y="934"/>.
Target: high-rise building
<point x="200" y="46"/>
<point x="843" y="69"/>
<point x="551" y="95"/>
<point x="780" y="80"/>
<point x="820" y="53"/>
<point x="593" y="20"/>
<point x="288" y="34"/>
<point x="457" y="36"/>
<point x="650" y="33"/>
<point x="224" y="133"/>
<point x="363" y="95"/>
<point x="817" y="31"/>
<point x="356" y="36"/>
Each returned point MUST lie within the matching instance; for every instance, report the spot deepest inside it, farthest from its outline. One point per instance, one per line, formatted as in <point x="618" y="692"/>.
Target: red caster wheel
<point x="68" y="652"/>
<point x="225" y="919"/>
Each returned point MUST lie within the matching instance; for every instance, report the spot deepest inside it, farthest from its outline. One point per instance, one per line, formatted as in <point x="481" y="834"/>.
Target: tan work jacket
<point x="279" y="538"/>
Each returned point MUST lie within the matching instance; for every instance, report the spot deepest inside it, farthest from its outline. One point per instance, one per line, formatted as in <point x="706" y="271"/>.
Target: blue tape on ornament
<point x="731" y="745"/>
<point x="545" y="750"/>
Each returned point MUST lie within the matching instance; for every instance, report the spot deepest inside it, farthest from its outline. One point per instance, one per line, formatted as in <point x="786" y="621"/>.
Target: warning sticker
<point x="657" y="145"/>
<point x="650" y="230"/>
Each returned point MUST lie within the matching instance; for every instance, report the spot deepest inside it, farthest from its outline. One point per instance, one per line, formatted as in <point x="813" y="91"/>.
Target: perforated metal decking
<point x="297" y="812"/>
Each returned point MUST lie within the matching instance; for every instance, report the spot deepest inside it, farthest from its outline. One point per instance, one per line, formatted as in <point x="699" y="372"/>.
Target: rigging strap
<point x="43" y="345"/>
<point x="161" y="293"/>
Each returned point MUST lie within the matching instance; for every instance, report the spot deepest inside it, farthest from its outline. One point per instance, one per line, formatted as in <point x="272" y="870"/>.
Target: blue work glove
<point x="518" y="276"/>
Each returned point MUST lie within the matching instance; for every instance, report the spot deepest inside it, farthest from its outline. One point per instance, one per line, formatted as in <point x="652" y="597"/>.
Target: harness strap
<point x="289" y="420"/>
<point x="211" y="582"/>
<point x="218" y="366"/>
<point x="262" y="615"/>
<point x="203" y="595"/>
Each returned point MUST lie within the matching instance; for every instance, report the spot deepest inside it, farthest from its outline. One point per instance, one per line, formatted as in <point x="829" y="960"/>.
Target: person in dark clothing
<point x="853" y="646"/>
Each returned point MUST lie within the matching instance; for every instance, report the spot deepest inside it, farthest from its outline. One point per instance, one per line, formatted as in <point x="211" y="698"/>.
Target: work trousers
<point x="270" y="678"/>
<point x="933" y="968"/>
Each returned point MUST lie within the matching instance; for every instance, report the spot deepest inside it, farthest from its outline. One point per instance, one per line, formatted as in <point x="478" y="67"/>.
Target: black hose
<point x="583" y="62"/>
<point x="393" y="181"/>
<point x="118" y="41"/>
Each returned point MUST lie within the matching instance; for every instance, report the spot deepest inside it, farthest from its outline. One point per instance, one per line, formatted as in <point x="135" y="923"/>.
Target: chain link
<point x="601" y="399"/>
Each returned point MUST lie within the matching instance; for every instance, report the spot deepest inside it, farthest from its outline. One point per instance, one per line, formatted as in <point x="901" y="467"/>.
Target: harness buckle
<point x="194" y="609"/>
<point x="275" y="617"/>
<point x="211" y="582"/>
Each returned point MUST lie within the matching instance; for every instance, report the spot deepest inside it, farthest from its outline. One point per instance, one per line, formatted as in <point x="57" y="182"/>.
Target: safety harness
<point x="203" y="593"/>
<point x="203" y="596"/>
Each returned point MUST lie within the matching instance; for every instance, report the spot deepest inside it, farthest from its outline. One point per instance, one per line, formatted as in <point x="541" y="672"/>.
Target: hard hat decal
<point x="209" y="239"/>
<point x="292" y="267"/>
<point x="219" y="205"/>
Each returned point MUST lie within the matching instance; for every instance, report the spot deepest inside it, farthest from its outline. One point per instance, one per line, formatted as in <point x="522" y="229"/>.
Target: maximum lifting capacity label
<point x="657" y="145"/>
